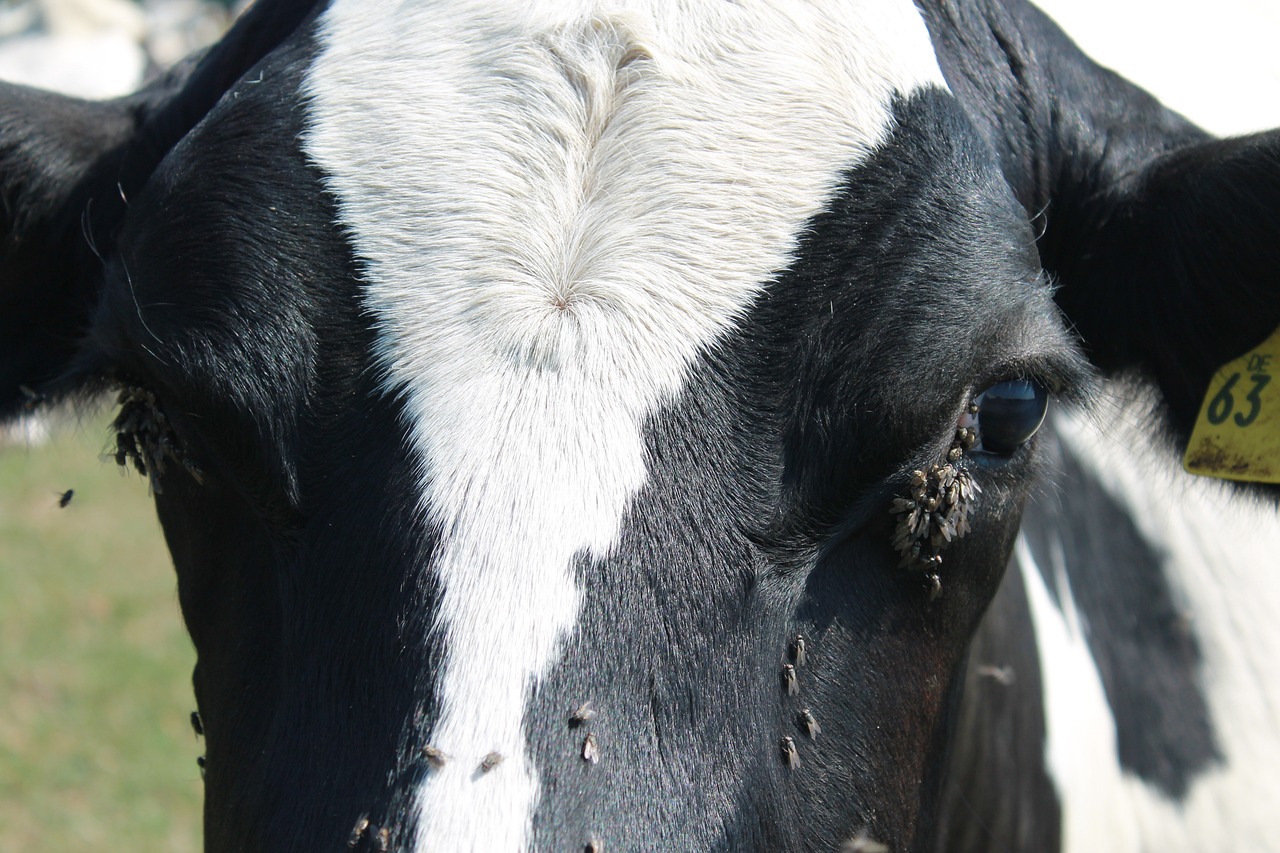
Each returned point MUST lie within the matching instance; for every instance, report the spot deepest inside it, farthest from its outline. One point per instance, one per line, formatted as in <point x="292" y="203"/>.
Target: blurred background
<point x="96" y="751"/>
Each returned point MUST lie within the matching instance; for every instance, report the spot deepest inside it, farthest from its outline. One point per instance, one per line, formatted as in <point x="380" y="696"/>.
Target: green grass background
<point x="96" y="752"/>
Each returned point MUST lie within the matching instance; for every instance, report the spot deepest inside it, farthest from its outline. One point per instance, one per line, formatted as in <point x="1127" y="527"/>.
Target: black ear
<point x="67" y="170"/>
<point x="1174" y="268"/>
<point x="1165" y="242"/>
<point x="58" y="156"/>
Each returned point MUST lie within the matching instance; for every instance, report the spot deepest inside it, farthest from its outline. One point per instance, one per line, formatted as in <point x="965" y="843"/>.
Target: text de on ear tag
<point x="1237" y="436"/>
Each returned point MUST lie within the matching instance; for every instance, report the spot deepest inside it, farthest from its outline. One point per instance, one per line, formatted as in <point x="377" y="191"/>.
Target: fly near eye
<point x="1009" y="413"/>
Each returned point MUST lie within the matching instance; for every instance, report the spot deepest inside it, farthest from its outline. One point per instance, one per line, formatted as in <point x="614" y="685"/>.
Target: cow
<point x="702" y="426"/>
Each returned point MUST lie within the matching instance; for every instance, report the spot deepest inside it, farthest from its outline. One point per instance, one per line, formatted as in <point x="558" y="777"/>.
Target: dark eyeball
<point x="1009" y="413"/>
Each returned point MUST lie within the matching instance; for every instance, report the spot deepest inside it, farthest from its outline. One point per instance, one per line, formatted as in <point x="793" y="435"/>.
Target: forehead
<point x="567" y="173"/>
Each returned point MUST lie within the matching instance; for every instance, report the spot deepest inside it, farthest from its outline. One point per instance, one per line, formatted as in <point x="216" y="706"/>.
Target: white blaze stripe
<point x="556" y="208"/>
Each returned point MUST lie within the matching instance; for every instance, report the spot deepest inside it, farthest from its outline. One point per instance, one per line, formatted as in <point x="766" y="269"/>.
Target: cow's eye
<point x="1009" y="413"/>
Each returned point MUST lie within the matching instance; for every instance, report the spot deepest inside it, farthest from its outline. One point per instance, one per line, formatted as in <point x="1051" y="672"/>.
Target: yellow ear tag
<point x="1237" y="436"/>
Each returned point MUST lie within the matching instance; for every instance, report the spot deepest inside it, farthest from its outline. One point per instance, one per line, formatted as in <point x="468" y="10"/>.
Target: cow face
<point x="569" y="430"/>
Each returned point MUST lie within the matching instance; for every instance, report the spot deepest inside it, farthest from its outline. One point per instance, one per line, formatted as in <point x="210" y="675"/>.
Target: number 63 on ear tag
<point x="1237" y="436"/>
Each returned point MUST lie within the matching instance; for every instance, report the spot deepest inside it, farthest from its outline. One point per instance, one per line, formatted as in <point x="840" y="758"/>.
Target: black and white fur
<point x="534" y="355"/>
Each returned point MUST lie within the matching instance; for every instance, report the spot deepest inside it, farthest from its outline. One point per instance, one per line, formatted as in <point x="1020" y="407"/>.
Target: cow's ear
<point x="1164" y="241"/>
<point x="1173" y="269"/>
<point x="58" y="157"/>
<point x="67" y="170"/>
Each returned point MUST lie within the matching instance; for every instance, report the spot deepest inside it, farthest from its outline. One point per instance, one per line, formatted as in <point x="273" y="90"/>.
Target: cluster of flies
<point x="805" y="719"/>
<point x="935" y="511"/>
<point x="145" y="437"/>
<point x="808" y="723"/>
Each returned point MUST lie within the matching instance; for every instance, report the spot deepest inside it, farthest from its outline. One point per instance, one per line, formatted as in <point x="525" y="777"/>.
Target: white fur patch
<point x="1080" y="752"/>
<point x="557" y="207"/>
<point x="1222" y="561"/>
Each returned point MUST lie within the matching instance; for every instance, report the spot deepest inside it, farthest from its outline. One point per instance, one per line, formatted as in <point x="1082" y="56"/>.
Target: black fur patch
<point x="1140" y="638"/>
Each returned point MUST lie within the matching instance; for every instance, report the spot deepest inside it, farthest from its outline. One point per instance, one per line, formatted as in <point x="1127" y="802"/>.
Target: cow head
<point x="603" y="429"/>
